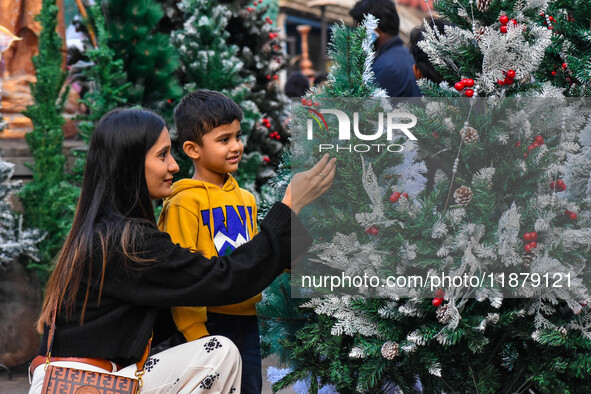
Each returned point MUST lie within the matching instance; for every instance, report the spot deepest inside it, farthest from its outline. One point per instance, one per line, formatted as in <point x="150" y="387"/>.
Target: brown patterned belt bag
<point x="63" y="380"/>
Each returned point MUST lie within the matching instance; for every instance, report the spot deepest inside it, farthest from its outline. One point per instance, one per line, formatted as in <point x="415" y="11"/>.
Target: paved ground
<point x="19" y="384"/>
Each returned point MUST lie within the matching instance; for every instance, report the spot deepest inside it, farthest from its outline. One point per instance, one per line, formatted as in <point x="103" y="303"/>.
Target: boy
<point x="212" y="215"/>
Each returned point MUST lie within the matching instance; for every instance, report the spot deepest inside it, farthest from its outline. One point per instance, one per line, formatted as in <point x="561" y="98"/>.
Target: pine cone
<point x="562" y="331"/>
<point x="483" y="5"/>
<point x="480" y="32"/>
<point x="528" y="257"/>
<point x="469" y="134"/>
<point x="463" y="195"/>
<point x="443" y="314"/>
<point x="389" y="350"/>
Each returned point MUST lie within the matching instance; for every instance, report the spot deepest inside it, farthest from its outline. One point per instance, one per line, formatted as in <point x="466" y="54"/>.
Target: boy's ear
<point x="191" y="149"/>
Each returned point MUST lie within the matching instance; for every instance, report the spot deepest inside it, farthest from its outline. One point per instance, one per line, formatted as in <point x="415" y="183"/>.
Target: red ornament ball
<point x="533" y="244"/>
<point x="553" y="73"/>
<point x="564" y="65"/>
<point x="275" y="76"/>
<point x="511" y="74"/>
<point x="459" y="86"/>
<point x="504" y="19"/>
<point x="304" y="101"/>
<point x="437" y="301"/>
<point x="316" y="104"/>
<point x="405" y="195"/>
<point x="518" y="144"/>
<point x="509" y="81"/>
<point x="527" y="247"/>
<point x="309" y="103"/>
<point x="500" y="82"/>
<point x="469" y="82"/>
<point x="534" y="236"/>
<point x="503" y="29"/>
<point x="540" y="139"/>
<point x="530" y="147"/>
<point x="268" y="76"/>
<point x="469" y="93"/>
<point x="266" y="159"/>
<point x="513" y="22"/>
<point x="572" y="215"/>
<point x="535" y="144"/>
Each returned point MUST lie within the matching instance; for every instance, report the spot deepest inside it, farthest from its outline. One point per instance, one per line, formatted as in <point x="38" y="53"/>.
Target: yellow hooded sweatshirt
<point x="187" y="216"/>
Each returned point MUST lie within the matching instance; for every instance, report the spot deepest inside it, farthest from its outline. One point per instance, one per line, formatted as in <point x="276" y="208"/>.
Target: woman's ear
<point x="191" y="149"/>
<point x="418" y="73"/>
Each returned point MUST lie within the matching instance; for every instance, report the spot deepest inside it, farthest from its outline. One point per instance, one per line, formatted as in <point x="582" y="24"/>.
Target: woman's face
<point x="160" y="165"/>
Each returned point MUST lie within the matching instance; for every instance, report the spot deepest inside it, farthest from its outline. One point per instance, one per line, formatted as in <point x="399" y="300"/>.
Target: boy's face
<point x="219" y="153"/>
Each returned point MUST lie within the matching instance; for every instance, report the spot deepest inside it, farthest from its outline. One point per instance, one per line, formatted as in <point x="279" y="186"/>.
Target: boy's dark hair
<point x="202" y="111"/>
<point x="384" y="10"/>
<point x="421" y="58"/>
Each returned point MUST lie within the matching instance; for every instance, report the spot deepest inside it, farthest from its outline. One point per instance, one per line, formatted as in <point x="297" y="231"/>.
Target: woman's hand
<point x="309" y="185"/>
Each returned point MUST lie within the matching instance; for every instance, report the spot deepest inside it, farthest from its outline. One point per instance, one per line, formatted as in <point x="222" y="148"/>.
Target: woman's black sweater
<point x="136" y="297"/>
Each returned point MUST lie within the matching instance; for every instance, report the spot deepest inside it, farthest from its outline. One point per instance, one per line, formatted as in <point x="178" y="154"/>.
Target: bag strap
<point x="139" y="365"/>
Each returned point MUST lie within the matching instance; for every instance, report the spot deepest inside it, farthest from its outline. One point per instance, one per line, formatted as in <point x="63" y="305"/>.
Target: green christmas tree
<point x="49" y="200"/>
<point x="149" y="58"/>
<point x="567" y="63"/>
<point x="106" y="79"/>
<point x="15" y="242"/>
<point x="499" y="185"/>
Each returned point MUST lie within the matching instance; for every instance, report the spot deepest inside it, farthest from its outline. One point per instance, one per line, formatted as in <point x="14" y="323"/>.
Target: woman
<point x="117" y="276"/>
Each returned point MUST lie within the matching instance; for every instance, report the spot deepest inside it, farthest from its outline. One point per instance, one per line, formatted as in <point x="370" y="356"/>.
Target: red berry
<point x="169" y="101"/>
<point x="316" y="104"/>
<point x="437" y="301"/>
<point x="459" y="86"/>
<point x="534" y="236"/>
<point x="525" y="154"/>
<point x="469" y="93"/>
<point x="551" y="18"/>
<point x="266" y="159"/>
<point x="541" y="14"/>
<point x="439" y="293"/>
<point x="561" y="185"/>
<point x="509" y="81"/>
<point x="530" y="147"/>
<point x="567" y="212"/>
<point x="503" y="29"/>
<point x="550" y="27"/>
<point x="309" y="102"/>
<point x="373" y="230"/>
<point x="500" y="82"/>
<point x="535" y="144"/>
<point x="572" y="215"/>
<point x="275" y="76"/>
<point x="518" y="144"/>
<point x="394" y="197"/>
<point x="435" y="134"/>
<point x="304" y="101"/>
<point x="511" y="74"/>
<point x="513" y="22"/>
<point x="527" y="247"/>
<point x="527" y="237"/>
<point x="469" y="82"/>
<point x="268" y="77"/>
<point x="564" y="65"/>
<point x="504" y="19"/>
<point x="540" y="139"/>
<point x="533" y="244"/>
<point x="553" y="73"/>
<point x="405" y="195"/>
<point x="271" y="36"/>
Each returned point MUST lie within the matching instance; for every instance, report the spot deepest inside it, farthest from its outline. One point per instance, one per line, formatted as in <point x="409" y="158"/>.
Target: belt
<point x="96" y="362"/>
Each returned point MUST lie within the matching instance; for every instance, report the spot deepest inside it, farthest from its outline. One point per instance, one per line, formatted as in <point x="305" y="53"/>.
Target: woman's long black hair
<point x="114" y="194"/>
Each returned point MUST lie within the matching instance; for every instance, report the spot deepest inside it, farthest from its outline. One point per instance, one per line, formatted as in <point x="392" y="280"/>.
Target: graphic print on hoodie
<point x="187" y="217"/>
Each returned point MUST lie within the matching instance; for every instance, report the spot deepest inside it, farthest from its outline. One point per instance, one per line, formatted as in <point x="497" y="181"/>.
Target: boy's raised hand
<point x="307" y="186"/>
